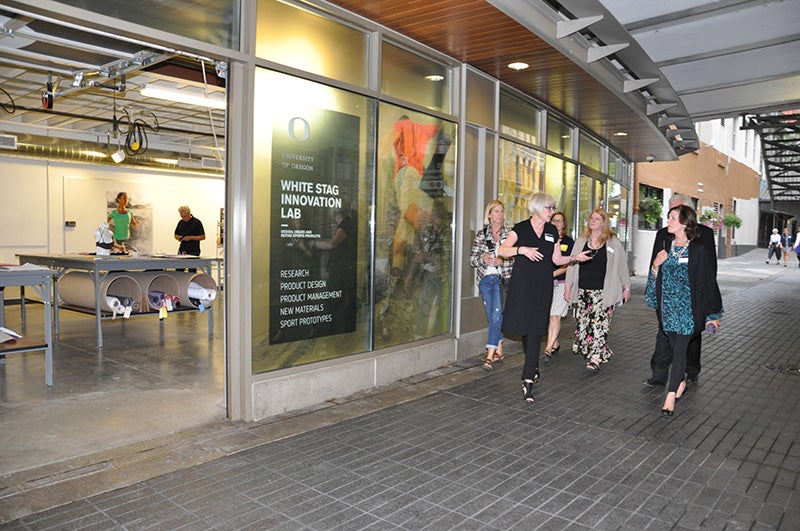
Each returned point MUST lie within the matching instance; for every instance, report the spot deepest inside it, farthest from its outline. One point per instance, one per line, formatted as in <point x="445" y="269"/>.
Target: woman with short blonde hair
<point x="532" y="243"/>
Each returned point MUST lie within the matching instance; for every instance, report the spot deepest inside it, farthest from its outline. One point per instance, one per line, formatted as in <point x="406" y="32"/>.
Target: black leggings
<point x="679" y="344"/>
<point x="531" y="345"/>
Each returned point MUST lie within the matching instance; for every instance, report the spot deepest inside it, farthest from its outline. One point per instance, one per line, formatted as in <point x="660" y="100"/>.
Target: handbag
<point x="504" y="282"/>
<point x="797" y="249"/>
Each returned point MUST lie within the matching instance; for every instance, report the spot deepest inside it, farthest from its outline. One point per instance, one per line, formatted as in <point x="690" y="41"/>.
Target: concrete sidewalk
<point x="460" y="449"/>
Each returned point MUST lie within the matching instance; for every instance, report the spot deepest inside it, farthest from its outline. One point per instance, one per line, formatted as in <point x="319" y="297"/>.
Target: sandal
<point x="592" y="367"/>
<point x="499" y="356"/>
<point x="487" y="365"/>
<point x="527" y="391"/>
<point x="548" y="355"/>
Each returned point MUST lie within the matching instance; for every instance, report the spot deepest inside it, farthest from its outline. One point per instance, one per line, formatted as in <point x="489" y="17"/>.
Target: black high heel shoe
<point x="669" y="412"/>
<point x="527" y="391"/>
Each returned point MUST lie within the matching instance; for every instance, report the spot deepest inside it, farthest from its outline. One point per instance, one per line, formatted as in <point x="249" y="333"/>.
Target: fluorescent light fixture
<point x="182" y="96"/>
<point x="518" y="65"/>
<point x="190" y="163"/>
<point x="620" y="133"/>
<point x="118" y="156"/>
<point x="435" y="77"/>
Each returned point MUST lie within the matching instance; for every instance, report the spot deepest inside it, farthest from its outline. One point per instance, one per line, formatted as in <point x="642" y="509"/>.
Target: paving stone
<point x="593" y="453"/>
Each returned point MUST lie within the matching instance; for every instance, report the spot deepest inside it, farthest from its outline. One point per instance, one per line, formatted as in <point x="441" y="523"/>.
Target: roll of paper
<point x="115" y="305"/>
<point x="204" y="295"/>
<point x="156" y="299"/>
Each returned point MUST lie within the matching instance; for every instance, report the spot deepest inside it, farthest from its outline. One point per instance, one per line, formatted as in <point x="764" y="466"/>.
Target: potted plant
<point x="710" y="218"/>
<point x="732" y="220"/>
<point x="650" y="208"/>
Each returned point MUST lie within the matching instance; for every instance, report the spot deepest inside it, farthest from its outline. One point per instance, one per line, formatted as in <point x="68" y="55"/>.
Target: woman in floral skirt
<point x="596" y="286"/>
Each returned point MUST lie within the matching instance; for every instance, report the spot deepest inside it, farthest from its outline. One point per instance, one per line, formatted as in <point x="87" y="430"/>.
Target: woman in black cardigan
<point x="682" y="286"/>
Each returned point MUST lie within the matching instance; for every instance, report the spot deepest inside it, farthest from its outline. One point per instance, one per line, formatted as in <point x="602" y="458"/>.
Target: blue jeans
<point x="489" y="286"/>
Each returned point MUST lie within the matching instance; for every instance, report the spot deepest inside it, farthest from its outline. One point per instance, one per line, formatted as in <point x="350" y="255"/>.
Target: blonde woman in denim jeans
<point x="491" y="272"/>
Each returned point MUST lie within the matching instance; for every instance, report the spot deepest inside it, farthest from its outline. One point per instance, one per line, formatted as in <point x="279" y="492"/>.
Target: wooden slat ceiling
<point x="475" y="32"/>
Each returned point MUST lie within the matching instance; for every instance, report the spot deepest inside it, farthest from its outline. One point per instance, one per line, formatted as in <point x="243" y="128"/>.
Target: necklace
<point x="673" y="251"/>
<point x="496" y="231"/>
<point x="593" y="243"/>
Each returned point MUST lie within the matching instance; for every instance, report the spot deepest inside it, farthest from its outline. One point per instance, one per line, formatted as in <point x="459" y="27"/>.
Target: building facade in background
<point x="723" y="177"/>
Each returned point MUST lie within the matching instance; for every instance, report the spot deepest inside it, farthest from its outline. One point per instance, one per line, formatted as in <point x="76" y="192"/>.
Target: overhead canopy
<point x="731" y="58"/>
<point x="723" y="57"/>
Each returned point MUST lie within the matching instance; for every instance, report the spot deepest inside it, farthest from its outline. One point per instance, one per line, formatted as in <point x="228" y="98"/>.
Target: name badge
<point x="550" y="238"/>
<point x="564" y="247"/>
<point x="683" y="260"/>
<point x="610" y="250"/>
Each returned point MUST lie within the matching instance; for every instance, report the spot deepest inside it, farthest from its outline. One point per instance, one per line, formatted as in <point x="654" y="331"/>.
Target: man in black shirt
<point x="189" y="232"/>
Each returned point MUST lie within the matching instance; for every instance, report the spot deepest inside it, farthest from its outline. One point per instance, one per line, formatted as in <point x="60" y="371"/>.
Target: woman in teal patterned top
<point x="682" y="287"/>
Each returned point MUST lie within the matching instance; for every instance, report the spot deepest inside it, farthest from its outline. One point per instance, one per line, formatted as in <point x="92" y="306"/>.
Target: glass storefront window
<point x="616" y="166"/>
<point x="520" y="173"/>
<point x="559" y="181"/>
<point x="618" y="210"/>
<point x="559" y="137"/>
<point x="313" y="184"/>
<point x="414" y="78"/>
<point x="481" y="97"/>
<point x="520" y="119"/>
<point x="415" y="206"/>
<point x="589" y="152"/>
<point x="591" y="194"/>
<point x="304" y="40"/>
<point x="215" y="22"/>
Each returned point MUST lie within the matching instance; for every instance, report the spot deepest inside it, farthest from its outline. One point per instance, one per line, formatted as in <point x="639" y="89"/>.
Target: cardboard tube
<point x="76" y="288"/>
<point x="155" y="281"/>
<point x="201" y="284"/>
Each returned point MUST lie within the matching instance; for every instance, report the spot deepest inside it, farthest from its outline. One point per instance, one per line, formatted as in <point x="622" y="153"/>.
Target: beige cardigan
<point x="617" y="275"/>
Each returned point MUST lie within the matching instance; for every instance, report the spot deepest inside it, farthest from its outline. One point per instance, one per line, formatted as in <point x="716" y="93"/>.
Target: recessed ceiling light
<point x="518" y="65"/>
<point x="434" y="77"/>
<point x="620" y="133"/>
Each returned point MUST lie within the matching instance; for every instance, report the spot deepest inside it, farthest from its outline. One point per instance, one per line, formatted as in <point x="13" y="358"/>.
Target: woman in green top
<point x="123" y="219"/>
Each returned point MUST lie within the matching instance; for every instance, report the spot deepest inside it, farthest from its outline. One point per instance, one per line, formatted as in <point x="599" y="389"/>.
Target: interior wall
<point x="24" y="209"/>
<point x="40" y="196"/>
